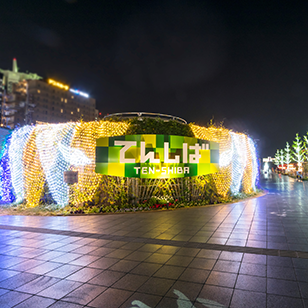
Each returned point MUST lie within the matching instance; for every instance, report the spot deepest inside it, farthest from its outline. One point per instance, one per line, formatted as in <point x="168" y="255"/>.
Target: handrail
<point x="165" y="117"/>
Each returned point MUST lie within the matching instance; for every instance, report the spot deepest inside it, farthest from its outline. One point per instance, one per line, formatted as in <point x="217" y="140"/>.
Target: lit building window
<point x="38" y="91"/>
<point x="78" y="110"/>
<point x="61" y="99"/>
<point x="72" y="96"/>
<point x="61" y="110"/>
<point x="65" y="101"/>
<point x="72" y="112"/>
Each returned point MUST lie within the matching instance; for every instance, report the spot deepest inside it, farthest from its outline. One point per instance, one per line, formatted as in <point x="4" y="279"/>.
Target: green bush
<point x="139" y="126"/>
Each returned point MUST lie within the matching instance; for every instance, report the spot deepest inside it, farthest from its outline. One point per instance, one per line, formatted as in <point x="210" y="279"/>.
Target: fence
<point x="119" y="190"/>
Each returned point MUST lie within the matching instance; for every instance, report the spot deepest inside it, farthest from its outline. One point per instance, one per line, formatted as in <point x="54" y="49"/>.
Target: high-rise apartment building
<point x="26" y="99"/>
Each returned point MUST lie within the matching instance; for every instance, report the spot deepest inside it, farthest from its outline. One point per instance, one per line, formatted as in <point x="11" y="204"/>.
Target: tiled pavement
<point x="247" y="254"/>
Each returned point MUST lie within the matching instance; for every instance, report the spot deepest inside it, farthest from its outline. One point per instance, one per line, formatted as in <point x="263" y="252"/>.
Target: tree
<point x="281" y="157"/>
<point x="298" y="153"/>
<point x="306" y="145"/>
<point x="287" y="157"/>
<point x="277" y="158"/>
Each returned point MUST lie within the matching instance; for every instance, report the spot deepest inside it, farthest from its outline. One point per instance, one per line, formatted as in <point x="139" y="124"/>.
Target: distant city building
<point x="55" y="104"/>
<point x="26" y="99"/>
<point x="13" y="76"/>
<point x="8" y="100"/>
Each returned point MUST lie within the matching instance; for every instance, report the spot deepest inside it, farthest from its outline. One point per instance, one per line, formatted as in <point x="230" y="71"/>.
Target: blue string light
<point x="6" y="188"/>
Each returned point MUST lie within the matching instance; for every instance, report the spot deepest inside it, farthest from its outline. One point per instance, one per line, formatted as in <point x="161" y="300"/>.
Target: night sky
<point x="241" y="62"/>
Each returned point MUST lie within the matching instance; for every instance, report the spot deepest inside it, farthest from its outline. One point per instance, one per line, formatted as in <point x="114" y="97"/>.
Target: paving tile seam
<point x="220" y="247"/>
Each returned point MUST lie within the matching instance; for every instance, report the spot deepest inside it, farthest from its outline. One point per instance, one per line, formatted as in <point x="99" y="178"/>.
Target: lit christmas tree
<point x="287" y="156"/>
<point x="306" y="146"/>
<point x="281" y="158"/>
<point x="298" y="153"/>
<point x="277" y="158"/>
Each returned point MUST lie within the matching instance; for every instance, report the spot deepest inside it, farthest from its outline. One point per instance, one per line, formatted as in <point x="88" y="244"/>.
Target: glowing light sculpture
<point x="254" y="161"/>
<point x="221" y="135"/>
<point x="18" y="141"/>
<point x="85" y="140"/>
<point x="6" y="188"/>
<point x="49" y="142"/>
<point x="34" y="177"/>
<point x="35" y="157"/>
<point x="239" y="158"/>
<point x="73" y="157"/>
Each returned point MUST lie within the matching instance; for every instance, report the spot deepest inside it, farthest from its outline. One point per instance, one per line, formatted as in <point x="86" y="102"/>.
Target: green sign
<point x="156" y="156"/>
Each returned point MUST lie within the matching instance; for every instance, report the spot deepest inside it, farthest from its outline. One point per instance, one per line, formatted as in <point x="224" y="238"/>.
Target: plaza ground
<point x="252" y="253"/>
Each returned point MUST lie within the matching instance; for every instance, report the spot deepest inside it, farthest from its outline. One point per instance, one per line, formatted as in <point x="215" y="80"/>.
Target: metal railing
<point x="165" y="117"/>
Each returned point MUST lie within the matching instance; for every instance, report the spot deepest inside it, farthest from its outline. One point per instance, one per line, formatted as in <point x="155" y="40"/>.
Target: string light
<point x="18" y="140"/>
<point x="6" y="188"/>
<point x="35" y="158"/>
<point x="49" y="143"/>
<point x="238" y="160"/>
<point x="85" y="140"/>
<point x="34" y="177"/>
<point x="254" y="162"/>
<point x="222" y="179"/>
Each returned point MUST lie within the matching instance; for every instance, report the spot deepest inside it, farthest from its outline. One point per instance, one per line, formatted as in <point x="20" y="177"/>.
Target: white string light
<point x="35" y="156"/>
<point x="254" y="162"/>
<point x="238" y="161"/>
<point x="54" y="165"/>
<point x="18" y="140"/>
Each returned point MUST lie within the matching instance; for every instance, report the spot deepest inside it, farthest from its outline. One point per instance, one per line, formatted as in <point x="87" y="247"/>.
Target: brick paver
<point x="252" y="253"/>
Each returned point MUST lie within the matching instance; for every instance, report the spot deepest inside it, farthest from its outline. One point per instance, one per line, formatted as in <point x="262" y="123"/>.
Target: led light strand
<point x="37" y="157"/>
<point x="222" y="179"/>
<point x="238" y="161"/>
<point x="48" y="142"/>
<point x="6" y="191"/>
<point x="254" y="161"/>
<point x="85" y="140"/>
<point x="18" y="140"/>
<point x="34" y="177"/>
<point x="247" y="176"/>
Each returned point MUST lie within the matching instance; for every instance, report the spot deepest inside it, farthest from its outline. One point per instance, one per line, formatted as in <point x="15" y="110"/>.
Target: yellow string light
<point x="85" y="140"/>
<point x="238" y="169"/>
<point x="222" y="179"/>
<point x="238" y="166"/>
<point x="34" y="177"/>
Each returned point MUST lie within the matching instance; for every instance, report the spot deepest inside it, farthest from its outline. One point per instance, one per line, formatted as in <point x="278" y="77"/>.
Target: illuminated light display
<point x="254" y="162"/>
<point x="6" y="188"/>
<point x="85" y="140"/>
<point x="79" y="93"/>
<point x="239" y="156"/>
<point x="35" y="158"/>
<point x="49" y="143"/>
<point x="236" y="155"/>
<point x="248" y="171"/>
<point x="73" y="157"/>
<point x="34" y="177"/>
<point x="288" y="156"/>
<point x="18" y="140"/>
<point x="221" y="135"/>
<point x="126" y="156"/>
<point x="58" y="84"/>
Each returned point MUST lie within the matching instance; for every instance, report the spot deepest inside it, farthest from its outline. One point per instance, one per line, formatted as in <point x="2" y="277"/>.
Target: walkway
<point x="247" y="254"/>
